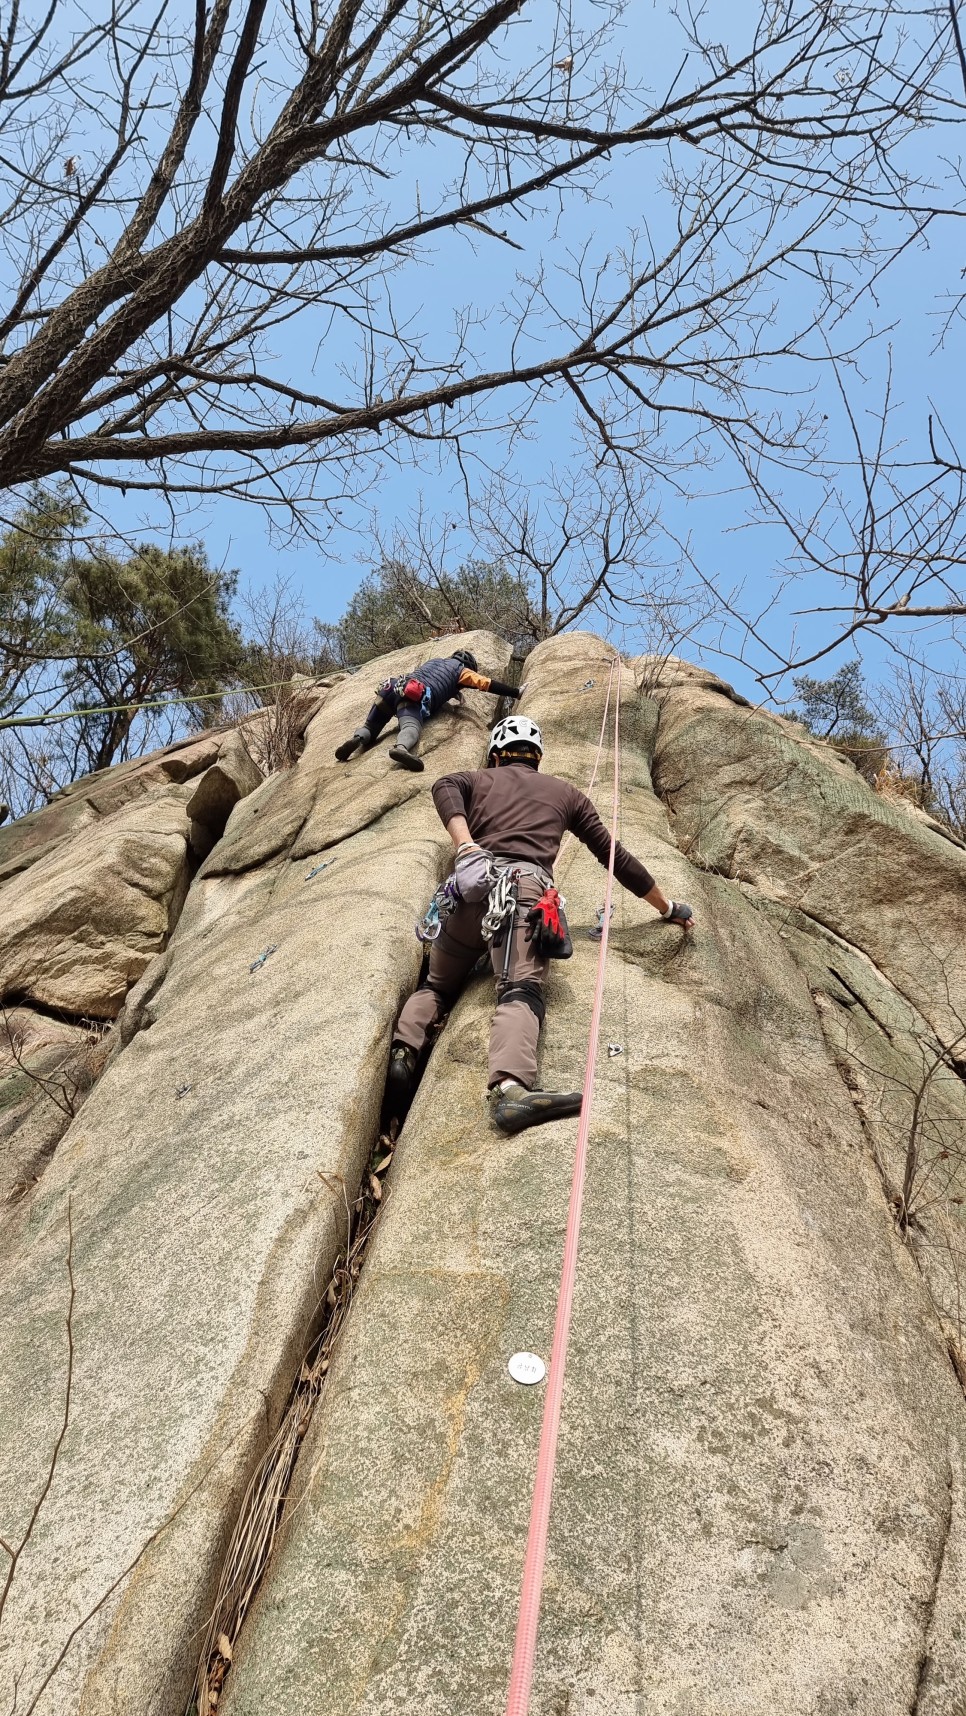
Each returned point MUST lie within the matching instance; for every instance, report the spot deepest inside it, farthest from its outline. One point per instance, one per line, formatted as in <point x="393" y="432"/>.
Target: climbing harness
<point x="503" y="875"/>
<point x="477" y="875"/>
<point x="502" y="903"/>
<point x="499" y="921"/>
<point x="406" y="688"/>
<point x="521" y="1673"/>
<point x="409" y="689"/>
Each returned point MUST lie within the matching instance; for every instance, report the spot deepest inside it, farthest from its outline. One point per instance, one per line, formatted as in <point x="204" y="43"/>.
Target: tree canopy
<point x="83" y="626"/>
<point x="397" y="605"/>
<point x="837" y="705"/>
<point x="221" y="292"/>
<point x="156" y="622"/>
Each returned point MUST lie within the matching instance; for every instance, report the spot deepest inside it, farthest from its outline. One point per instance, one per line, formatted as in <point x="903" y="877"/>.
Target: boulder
<point x="89" y="800"/>
<point x="79" y="926"/>
<point x="232" y="777"/>
<point x="93" y="902"/>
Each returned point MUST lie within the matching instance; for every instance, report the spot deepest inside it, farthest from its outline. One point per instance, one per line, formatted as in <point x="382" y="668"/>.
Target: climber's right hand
<point x="679" y="913"/>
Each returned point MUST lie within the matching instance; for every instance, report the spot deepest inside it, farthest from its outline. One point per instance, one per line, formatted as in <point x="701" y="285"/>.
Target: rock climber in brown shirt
<point x="507" y="822"/>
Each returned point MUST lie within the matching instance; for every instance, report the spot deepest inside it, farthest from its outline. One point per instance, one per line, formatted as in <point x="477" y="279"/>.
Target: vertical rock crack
<point x="925" y="1657"/>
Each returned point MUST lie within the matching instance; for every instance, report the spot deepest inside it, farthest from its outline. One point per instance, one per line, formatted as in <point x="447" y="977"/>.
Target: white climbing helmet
<point x="515" y="730"/>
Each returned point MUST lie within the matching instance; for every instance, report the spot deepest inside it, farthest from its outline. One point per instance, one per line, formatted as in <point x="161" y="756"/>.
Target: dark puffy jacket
<point x="442" y="675"/>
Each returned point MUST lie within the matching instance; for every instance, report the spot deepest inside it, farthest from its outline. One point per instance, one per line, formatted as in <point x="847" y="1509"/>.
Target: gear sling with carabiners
<point x="510" y="922"/>
<point x="546" y="930"/>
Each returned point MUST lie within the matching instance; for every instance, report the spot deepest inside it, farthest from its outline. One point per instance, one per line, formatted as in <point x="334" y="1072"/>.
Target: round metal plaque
<point x="527" y="1367"/>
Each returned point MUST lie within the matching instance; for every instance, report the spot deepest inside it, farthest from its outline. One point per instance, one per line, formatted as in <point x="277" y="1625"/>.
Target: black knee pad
<point x="530" y="994"/>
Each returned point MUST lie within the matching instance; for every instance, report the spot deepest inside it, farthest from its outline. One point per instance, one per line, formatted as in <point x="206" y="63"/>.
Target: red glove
<point x="547" y="927"/>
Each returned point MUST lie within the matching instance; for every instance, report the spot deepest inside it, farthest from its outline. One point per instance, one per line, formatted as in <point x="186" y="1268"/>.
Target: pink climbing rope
<point x="525" y="1646"/>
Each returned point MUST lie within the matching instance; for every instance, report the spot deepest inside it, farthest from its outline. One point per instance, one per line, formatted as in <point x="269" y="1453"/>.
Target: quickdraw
<point x="442" y="905"/>
<point x="502" y="904"/>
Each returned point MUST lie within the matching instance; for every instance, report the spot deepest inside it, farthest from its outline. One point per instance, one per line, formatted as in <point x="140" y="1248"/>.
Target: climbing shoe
<point x="360" y="741"/>
<point x="400" y="1082"/>
<point x="400" y="754"/>
<point x="514" y="1107"/>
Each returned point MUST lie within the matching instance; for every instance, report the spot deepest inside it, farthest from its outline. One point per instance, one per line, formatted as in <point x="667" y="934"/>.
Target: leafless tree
<point x="68" y="1081"/>
<point x="272" y="172"/>
<point x="881" y="550"/>
<point x="583" y="540"/>
<point x="924" y="710"/>
<point x="274" y="704"/>
<point x="580" y="546"/>
<point x="907" y="1088"/>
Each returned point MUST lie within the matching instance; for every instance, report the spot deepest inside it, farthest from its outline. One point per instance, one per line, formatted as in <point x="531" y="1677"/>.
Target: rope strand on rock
<point x="528" y="1617"/>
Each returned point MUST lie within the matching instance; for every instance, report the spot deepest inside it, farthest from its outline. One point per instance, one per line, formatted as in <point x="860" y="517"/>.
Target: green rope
<point x="117" y="708"/>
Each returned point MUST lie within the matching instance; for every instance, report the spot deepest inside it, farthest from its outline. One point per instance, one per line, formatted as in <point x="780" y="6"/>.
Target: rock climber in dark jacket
<point x="415" y="698"/>
<point x="506" y="822"/>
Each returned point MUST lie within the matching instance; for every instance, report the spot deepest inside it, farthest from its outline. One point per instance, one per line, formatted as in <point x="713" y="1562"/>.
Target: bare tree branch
<point x="157" y="361"/>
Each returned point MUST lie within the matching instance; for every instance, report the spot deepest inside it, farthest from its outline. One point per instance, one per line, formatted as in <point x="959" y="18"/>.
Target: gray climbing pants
<point x="515" y="1027"/>
<point x="410" y="717"/>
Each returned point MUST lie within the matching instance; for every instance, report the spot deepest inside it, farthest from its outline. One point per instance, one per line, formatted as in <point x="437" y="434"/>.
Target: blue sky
<point x="464" y="270"/>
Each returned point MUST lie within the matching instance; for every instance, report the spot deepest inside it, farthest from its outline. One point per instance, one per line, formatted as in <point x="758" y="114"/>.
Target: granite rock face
<point x="200" y="1195"/>
<point x="752" y="798"/>
<point x="760" y="1489"/>
<point x="47" y="1067"/>
<point x="759" y="1496"/>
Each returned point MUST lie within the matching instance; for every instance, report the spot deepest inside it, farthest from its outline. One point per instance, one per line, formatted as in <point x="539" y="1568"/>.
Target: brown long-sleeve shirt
<point x="517" y="813"/>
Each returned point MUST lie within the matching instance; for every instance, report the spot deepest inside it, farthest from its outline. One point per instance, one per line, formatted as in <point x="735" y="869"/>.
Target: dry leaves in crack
<point x="262" y="1509"/>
